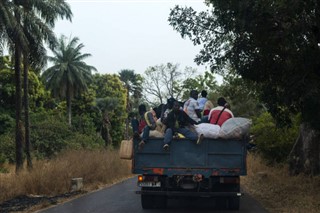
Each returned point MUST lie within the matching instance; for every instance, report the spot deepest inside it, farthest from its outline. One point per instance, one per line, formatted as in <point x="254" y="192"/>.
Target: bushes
<point x="78" y="141"/>
<point x="6" y="123"/>
<point x="7" y="148"/>
<point x="274" y="144"/>
<point x="51" y="134"/>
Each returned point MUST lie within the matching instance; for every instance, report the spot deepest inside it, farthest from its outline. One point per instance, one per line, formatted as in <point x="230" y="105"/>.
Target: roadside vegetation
<point x="98" y="168"/>
<point x="279" y="192"/>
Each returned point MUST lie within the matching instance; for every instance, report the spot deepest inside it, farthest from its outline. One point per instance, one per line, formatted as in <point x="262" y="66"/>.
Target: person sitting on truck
<point x="206" y="110"/>
<point x="150" y="120"/>
<point x="191" y="107"/>
<point x="177" y="122"/>
<point x="138" y="124"/>
<point x="164" y="113"/>
<point x="221" y="113"/>
<point x="202" y="101"/>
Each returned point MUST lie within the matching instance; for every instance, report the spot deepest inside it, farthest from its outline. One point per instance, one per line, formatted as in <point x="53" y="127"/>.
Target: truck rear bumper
<point x="191" y="194"/>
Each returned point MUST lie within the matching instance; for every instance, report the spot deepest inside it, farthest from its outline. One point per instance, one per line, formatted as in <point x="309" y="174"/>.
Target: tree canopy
<point x="164" y="81"/>
<point x="70" y="74"/>
<point x="267" y="42"/>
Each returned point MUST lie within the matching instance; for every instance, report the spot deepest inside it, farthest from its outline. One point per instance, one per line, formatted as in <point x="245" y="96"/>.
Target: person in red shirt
<point x="221" y="113"/>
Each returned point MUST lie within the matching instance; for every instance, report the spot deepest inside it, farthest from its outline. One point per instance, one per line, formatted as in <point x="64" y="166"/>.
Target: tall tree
<point x="38" y="20"/>
<point x="200" y="82"/>
<point x="274" y="44"/>
<point x="69" y="74"/>
<point x="111" y="102"/>
<point x="12" y="34"/>
<point x="19" y="20"/>
<point x="132" y="83"/>
<point x="163" y="81"/>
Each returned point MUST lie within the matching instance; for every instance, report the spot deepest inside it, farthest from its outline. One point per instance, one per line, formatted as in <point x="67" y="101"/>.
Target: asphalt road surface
<point x="121" y="198"/>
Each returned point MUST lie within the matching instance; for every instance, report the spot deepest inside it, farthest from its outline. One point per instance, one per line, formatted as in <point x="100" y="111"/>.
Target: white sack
<point x="235" y="128"/>
<point x="208" y="130"/>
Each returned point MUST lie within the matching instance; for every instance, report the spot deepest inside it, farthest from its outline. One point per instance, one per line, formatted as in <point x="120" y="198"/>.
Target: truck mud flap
<point x="192" y="194"/>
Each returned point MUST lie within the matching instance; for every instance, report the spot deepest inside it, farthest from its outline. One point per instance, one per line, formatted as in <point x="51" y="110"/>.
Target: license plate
<point x="149" y="184"/>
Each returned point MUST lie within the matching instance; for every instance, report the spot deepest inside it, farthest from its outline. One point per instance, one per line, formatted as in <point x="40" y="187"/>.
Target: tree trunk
<point x="26" y="111"/>
<point x="18" y="104"/>
<point x="127" y="119"/>
<point x="69" y="104"/>
<point x="105" y="130"/>
<point x="305" y="154"/>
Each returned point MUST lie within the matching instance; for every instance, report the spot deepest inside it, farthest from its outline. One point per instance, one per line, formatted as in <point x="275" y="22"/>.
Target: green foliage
<point x="7" y="90"/>
<point x="200" y="82"/>
<point x="85" y="141"/>
<point x="274" y="143"/>
<point x="50" y="134"/>
<point x="242" y="95"/>
<point x="272" y="44"/>
<point x="83" y="104"/>
<point x="84" y="124"/>
<point x="38" y="96"/>
<point x="7" y="148"/>
<point x="6" y="123"/>
<point x="133" y="85"/>
<point x="111" y="100"/>
<point x="70" y="75"/>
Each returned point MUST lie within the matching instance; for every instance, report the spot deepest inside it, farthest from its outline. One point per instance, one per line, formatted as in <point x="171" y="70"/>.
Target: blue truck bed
<point x="213" y="157"/>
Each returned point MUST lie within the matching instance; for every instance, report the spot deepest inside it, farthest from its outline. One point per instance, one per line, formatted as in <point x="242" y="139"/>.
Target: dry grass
<point x="279" y="192"/>
<point x="97" y="168"/>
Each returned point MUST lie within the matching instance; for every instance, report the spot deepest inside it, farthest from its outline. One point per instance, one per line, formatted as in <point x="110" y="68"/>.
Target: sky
<point x="129" y="34"/>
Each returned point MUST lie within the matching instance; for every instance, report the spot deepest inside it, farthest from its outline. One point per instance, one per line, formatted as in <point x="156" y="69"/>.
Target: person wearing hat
<point x="221" y="113"/>
<point x="191" y="106"/>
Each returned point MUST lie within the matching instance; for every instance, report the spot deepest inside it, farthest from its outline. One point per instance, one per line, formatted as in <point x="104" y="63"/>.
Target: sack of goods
<point x="208" y="130"/>
<point x="235" y="128"/>
<point x="126" y="149"/>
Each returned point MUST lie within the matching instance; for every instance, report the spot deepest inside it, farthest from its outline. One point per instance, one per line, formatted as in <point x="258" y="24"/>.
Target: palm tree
<point x="69" y="74"/>
<point x="38" y="21"/>
<point x="19" y="22"/>
<point x="12" y="34"/>
<point x="132" y="83"/>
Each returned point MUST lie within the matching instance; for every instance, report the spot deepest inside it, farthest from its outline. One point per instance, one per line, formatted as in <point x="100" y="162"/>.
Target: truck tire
<point x="234" y="203"/>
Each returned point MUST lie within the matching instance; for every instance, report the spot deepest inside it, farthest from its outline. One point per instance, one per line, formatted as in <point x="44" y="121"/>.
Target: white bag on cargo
<point x="208" y="130"/>
<point x="155" y="134"/>
<point x="235" y="128"/>
<point x="126" y="149"/>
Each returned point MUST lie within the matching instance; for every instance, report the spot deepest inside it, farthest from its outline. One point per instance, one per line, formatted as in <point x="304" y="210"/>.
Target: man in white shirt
<point x="191" y="106"/>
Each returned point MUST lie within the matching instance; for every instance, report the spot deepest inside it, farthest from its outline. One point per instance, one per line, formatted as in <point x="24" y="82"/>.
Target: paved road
<point x="120" y="198"/>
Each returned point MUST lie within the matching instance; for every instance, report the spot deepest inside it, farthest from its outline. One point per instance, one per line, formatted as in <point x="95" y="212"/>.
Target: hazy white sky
<point x="129" y="34"/>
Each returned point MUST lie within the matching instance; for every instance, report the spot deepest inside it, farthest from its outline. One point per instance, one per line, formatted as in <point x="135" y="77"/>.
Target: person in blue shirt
<point x="202" y="101"/>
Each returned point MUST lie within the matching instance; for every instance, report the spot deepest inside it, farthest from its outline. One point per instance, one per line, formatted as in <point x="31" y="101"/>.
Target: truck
<point x="211" y="169"/>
